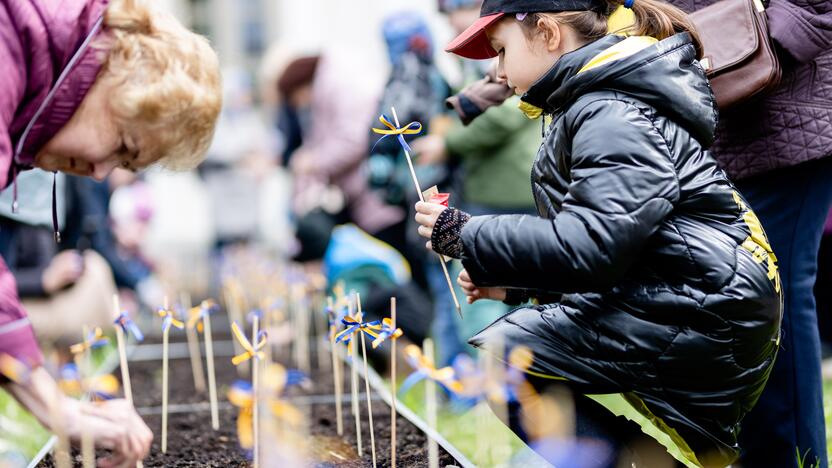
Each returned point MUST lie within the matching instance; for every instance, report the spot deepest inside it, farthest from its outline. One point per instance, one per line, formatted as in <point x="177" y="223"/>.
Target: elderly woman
<point x="90" y="85"/>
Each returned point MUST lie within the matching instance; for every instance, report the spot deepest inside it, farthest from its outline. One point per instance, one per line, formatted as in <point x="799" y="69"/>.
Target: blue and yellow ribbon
<point x="276" y="379"/>
<point x="355" y="325"/>
<point x="250" y="351"/>
<point x="241" y="396"/>
<point x="425" y="369"/>
<point x="14" y="369"/>
<point x="335" y="316"/>
<point x="100" y="387"/>
<point x="129" y="326"/>
<point x="169" y="317"/>
<point x="387" y="332"/>
<point x="95" y="339"/>
<point x="196" y="315"/>
<point x="413" y="128"/>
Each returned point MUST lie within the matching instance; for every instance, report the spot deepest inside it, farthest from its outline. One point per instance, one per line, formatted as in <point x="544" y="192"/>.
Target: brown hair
<point x="654" y="18"/>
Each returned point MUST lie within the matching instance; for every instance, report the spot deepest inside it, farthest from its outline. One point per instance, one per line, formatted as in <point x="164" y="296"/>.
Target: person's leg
<point x="792" y="205"/>
<point x="823" y="294"/>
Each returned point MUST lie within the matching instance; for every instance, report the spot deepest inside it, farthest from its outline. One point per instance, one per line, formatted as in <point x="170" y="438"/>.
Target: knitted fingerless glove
<point x="445" y="238"/>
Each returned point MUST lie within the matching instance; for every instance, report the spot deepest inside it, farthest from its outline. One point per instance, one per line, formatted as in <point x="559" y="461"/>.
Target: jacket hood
<point x="663" y="74"/>
<point x="63" y="63"/>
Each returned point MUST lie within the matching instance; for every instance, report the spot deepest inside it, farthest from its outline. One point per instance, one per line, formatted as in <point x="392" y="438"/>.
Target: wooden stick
<point x="255" y="384"/>
<point x="165" y="334"/>
<point x="193" y="346"/>
<point x="367" y="384"/>
<point x="122" y="355"/>
<point x="430" y="406"/>
<point x="393" y="384"/>
<point x="321" y="330"/>
<point x="356" y="409"/>
<point x="62" y="459"/>
<point x="212" y="379"/>
<point x="85" y="372"/>
<point x="336" y="376"/>
<point x="422" y="198"/>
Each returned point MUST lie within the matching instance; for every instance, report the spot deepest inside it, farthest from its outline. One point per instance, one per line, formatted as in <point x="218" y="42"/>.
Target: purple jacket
<point x="41" y="41"/>
<point x="794" y="123"/>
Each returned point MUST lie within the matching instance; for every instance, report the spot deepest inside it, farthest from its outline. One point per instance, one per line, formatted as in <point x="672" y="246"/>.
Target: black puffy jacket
<point x="667" y="289"/>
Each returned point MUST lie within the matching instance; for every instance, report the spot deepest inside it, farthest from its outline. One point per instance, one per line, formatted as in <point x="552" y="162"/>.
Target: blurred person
<point x="372" y="268"/>
<point x="88" y="87"/>
<point x="238" y="159"/>
<point x="62" y="290"/>
<point x="417" y="90"/>
<point x="333" y="101"/>
<point x="823" y="295"/>
<point x="89" y="226"/>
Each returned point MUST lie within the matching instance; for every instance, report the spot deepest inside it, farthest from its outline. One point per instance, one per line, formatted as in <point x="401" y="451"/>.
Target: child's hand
<point x="475" y="293"/>
<point x="426" y="215"/>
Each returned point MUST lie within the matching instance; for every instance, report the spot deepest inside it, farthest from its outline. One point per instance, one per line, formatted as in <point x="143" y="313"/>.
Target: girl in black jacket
<point x="655" y="280"/>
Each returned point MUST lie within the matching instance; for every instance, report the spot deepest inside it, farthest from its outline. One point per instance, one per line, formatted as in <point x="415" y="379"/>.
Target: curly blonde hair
<point x="164" y="83"/>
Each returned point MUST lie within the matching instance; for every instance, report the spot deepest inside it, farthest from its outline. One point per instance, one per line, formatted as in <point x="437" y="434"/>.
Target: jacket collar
<point x="537" y="97"/>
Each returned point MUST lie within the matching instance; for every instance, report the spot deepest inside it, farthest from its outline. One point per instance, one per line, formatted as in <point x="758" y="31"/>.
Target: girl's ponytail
<point x="654" y="18"/>
<point x="661" y="20"/>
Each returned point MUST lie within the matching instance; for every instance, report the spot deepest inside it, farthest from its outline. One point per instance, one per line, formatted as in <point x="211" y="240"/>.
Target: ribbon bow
<point x="169" y="319"/>
<point x="197" y="313"/>
<point x="101" y="387"/>
<point x="129" y="326"/>
<point x="425" y="368"/>
<point x="387" y="331"/>
<point x="251" y="351"/>
<point x="355" y="325"/>
<point x="335" y="317"/>
<point x="95" y="339"/>
<point x="241" y="396"/>
<point x="413" y="128"/>
<point x="276" y="379"/>
<point x="13" y="369"/>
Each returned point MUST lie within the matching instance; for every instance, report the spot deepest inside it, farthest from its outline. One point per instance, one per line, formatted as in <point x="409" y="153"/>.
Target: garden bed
<point x="192" y="442"/>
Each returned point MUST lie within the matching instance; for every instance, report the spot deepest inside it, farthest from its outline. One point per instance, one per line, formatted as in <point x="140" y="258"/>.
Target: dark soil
<point x="192" y="442"/>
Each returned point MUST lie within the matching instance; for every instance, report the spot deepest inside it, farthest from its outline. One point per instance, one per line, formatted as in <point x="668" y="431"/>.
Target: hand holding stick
<point x="412" y="129"/>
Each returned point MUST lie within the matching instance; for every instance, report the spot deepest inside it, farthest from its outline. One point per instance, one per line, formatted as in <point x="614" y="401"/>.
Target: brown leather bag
<point x="739" y="56"/>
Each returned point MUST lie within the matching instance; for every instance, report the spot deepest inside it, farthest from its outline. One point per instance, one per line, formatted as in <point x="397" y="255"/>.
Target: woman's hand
<point x="426" y="215"/>
<point x="475" y="293"/>
<point x="113" y="424"/>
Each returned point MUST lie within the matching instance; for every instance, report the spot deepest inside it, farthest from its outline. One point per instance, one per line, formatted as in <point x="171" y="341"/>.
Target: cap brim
<point x="473" y="43"/>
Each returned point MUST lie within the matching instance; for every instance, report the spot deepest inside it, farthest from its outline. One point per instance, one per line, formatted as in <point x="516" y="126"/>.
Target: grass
<point x="827" y="409"/>
<point x="476" y="431"/>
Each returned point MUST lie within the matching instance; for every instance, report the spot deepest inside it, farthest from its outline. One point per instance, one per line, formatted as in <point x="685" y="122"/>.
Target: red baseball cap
<point x="473" y="43"/>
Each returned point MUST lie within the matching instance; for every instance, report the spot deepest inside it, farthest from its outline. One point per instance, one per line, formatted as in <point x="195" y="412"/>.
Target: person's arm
<point x="802" y="29"/>
<point x="623" y="185"/>
<point x="112" y="424"/>
<point x="488" y="131"/>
